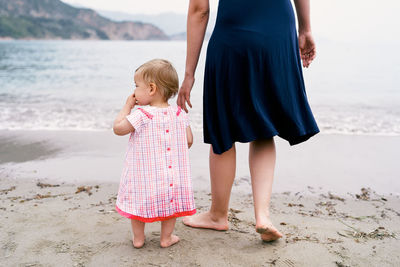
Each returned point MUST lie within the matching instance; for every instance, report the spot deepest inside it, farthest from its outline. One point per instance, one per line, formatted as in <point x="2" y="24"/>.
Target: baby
<point x="156" y="180"/>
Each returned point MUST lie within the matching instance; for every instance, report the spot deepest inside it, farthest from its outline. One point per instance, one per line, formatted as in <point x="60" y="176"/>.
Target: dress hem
<point x="292" y="141"/>
<point x="155" y="219"/>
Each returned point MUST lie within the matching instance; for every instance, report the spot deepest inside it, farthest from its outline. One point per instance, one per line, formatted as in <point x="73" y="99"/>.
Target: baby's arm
<point x="121" y="125"/>
<point x="189" y="136"/>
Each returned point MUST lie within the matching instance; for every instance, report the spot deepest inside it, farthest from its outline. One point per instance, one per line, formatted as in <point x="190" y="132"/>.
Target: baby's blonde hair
<point x="163" y="74"/>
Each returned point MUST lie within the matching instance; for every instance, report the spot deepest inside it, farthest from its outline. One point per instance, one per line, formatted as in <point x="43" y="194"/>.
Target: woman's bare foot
<point x="205" y="220"/>
<point x="172" y="240"/>
<point x="138" y="242"/>
<point x="268" y="232"/>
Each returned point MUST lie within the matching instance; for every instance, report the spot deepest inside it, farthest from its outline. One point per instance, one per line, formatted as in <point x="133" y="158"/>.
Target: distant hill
<point x="53" y="19"/>
<point x="169" y="22"/>
<point x="173" y="24"/>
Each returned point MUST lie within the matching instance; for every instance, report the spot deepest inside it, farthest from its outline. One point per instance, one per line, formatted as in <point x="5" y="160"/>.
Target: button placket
<point x="169" y="161"/>
<point x="171" y="178"/>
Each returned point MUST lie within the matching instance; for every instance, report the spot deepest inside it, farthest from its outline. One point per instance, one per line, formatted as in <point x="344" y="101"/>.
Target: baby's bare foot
<point x="167" y="242"/>
<point x="205" y="220"/>
<point x="268" y="231"/>
<point x="138" y="242"/>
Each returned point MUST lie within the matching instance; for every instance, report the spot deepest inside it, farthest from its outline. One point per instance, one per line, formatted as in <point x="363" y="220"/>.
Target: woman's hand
<point x="184" y="93"/>
<point x="131" y="101"/>
<point x="307" y="48"/>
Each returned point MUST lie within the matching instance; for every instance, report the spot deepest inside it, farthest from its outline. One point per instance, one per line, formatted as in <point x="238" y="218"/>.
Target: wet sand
<point x="58" y="190"/>
<point x="338" y="163"/>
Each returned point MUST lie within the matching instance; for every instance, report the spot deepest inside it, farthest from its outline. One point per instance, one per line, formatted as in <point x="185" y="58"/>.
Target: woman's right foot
<point x="268" y="232"/>
<point x="205" y="220"/>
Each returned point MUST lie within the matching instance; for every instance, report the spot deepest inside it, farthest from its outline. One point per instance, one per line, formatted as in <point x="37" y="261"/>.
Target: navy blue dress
<point x="253" y="81"/>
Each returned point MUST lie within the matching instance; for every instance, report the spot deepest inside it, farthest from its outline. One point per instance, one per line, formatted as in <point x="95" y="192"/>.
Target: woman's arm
<point x="197" y="21"/>
<point x="121" y="125"/>
<point x="306" y="41"/>
<point x="303" y="15"/>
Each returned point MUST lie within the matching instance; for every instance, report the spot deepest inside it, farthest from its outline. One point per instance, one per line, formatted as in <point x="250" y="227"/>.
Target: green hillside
<point x="53" y="19"/>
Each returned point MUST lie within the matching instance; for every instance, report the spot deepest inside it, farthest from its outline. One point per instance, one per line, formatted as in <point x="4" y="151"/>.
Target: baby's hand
<point x="131" y="101"/>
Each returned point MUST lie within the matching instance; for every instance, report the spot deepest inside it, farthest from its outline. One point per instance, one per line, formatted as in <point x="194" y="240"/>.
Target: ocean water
<point x="82" y="85"/>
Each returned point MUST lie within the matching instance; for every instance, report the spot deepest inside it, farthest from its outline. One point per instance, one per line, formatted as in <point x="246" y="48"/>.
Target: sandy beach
<point x="336" y="200"/>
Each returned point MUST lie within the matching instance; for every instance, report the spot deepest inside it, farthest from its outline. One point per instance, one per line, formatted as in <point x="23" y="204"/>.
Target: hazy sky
<point x="343" y="20"/>
<point x="138" y="6"/>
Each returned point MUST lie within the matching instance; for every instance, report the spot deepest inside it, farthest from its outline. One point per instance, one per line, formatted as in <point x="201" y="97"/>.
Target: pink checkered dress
<point x="156" y="181"/>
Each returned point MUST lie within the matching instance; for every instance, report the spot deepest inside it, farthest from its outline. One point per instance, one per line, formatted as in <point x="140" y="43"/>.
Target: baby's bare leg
<point x="167" y="238"/>
<point x="262" y="157"/>
<point x="138" y="233"/>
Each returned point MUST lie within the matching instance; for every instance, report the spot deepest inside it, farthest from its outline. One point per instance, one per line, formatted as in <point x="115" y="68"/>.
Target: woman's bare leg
<point x="222" y="174"/>
<point x="138" y="233"/>
<point x="262" y="158"/>
<point x="167" y="238"/>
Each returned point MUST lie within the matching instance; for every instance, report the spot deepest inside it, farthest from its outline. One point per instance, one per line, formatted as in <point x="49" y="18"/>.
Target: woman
<point x="253" y="91"/>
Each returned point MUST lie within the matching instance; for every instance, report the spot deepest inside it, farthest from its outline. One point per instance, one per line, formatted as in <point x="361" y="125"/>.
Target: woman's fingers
<point x="181" y="101"/>
<point x="184" y="105"/>
<point x="307" y="49"/>
<point x="308" y="55"/>
<point x="184" y="94"/>
<point x="311" y="55"/>
<point x="187" y="98"/>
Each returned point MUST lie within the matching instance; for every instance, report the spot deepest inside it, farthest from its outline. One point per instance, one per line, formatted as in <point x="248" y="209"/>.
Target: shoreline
<point x="327" y="162"/>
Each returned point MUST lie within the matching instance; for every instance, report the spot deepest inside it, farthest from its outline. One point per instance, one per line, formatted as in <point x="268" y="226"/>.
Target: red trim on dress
<point x="150" y="116"/>
<point x="148" y="220"/>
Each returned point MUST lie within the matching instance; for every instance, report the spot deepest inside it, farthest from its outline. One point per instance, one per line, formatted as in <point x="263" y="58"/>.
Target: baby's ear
<point x="153" y="88"/>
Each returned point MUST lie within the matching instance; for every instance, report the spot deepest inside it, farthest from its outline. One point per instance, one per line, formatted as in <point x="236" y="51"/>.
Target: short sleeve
<point x="186" y="119"/>
<point x="137" y="118"/>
